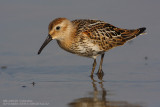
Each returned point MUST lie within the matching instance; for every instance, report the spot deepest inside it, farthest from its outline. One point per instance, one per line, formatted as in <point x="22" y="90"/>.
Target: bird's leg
<point x="94" y="65"/>
<point x="100" y="66"/>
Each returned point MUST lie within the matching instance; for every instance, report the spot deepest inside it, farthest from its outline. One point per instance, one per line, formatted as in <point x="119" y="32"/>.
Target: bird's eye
<point x="58" y="28"/>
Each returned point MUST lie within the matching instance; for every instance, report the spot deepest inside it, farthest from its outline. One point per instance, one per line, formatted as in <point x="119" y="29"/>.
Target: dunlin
<point x="88" y="38"/>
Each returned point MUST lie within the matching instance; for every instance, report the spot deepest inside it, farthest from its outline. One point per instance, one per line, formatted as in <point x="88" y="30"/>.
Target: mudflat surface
<point x="56" y="78"/>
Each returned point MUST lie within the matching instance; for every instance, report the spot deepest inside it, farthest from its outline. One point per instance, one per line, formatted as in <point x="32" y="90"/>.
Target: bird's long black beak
<point x="48" y="39"/>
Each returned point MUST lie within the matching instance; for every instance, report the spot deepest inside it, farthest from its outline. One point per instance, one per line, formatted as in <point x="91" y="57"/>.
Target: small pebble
<point x="24" y="86"/>
<point x="146" y="58"/>
<point x="33" y="83"/>
<point x="3" y="67"/>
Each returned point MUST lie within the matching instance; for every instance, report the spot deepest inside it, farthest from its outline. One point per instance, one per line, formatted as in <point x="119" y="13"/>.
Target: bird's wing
<point x="106" y="35"/>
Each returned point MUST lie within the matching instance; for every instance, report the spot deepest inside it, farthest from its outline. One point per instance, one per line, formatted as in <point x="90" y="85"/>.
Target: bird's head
<point x="58" y="29"/>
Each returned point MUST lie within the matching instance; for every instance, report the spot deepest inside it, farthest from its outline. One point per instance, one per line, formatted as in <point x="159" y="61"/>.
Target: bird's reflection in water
<point x="99" y="98"/>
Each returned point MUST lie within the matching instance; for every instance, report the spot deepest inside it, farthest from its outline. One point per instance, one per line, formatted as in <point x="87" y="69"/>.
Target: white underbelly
<point x="88" y="50"/>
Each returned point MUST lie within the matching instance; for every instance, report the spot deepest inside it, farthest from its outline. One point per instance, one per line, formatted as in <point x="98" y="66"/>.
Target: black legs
<point x="100" y="72"/>
<point x="100" y="66"/>
<point x="94" y="66"/>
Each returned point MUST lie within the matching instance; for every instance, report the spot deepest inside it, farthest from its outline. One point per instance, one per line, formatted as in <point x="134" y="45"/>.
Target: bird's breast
<point x="83" y="48"/>
<point x="86" y="48"/>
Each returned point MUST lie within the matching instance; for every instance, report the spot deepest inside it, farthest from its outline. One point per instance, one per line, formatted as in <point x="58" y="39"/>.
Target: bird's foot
<point x="100" y="74"/>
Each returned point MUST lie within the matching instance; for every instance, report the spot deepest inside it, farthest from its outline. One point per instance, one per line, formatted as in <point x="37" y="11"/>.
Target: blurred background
<point x="24" y="27"/>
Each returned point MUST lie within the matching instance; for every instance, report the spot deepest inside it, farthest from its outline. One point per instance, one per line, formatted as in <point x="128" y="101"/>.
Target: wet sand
<point x="62" y="87"/>
<point x="59" y="79"/>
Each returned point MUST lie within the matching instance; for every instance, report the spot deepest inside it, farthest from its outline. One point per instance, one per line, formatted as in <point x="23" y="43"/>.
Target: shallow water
<point x="59" y="79"/>
<point x="70" y="86"/>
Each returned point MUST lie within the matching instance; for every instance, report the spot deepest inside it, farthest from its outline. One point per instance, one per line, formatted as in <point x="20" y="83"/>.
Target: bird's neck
<point x="66" y="42"/>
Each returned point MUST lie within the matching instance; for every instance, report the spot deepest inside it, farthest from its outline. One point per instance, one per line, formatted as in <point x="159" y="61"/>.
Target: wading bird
<point x="88" y="38"/>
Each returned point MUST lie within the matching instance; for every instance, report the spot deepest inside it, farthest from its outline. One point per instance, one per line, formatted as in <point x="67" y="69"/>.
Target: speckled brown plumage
<point x="88" y="38"/>
<point x="105" y="35"/>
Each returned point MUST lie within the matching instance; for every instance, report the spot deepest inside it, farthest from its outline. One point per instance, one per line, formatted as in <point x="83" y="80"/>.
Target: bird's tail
<point x="130" y="34"/>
